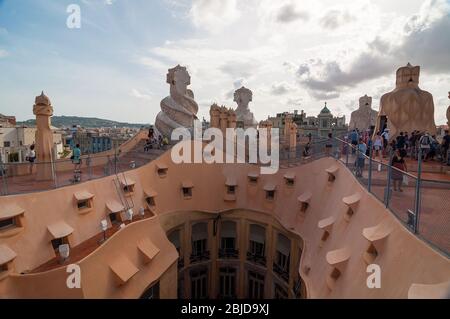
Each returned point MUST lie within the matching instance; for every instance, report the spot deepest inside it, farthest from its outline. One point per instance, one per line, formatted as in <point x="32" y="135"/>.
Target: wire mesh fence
<point x="422" y="205"/>
<point x="433" y="222"/>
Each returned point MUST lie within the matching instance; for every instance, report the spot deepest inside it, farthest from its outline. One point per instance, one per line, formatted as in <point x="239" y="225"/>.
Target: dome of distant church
<point x="42" y="99"/>
<point x="325" y="110"/>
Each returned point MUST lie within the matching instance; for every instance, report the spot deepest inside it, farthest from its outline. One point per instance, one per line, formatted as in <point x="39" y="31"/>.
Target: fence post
<point x="369" y="185"/>
<point x="115" y="161"/>
<point x="417" y="199"/>
<point x="4" y="182"/>
<point x="348" y="149"/>
<point x="54" y="172"/>
<point x="388" y="190"/>
<point x="88" y="162"/>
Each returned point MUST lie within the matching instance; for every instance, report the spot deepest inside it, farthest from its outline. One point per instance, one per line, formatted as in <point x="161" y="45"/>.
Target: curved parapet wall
<point x="403" y="258"/>
<point x="98" y="274"/>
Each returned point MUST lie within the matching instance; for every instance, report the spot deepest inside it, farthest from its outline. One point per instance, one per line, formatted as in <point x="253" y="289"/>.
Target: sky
<point x="293" y="55"/>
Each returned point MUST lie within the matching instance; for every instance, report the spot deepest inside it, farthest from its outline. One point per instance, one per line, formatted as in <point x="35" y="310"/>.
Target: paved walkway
<point x="28" y="183"/>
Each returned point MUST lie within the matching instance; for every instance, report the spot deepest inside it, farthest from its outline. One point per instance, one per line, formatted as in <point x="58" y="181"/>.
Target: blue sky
<point x="292" y="54"/>
<point x="86" y="71"/>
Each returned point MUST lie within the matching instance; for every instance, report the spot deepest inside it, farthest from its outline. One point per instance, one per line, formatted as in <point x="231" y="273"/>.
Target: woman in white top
<point x="378" y="144"/>
<point x="31" y="157"/>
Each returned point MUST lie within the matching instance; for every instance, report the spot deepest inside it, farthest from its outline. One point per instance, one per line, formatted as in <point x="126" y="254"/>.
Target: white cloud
<point x="137" y="94"/>
<point x="283" y="53"/>
<point x="213" y="15"/>
<point x="289" y="13"/>
<point x="3" y="53"/>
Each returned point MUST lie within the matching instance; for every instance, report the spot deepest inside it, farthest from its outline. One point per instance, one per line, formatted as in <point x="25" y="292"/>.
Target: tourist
<point x="306" y="150"/>
<point x="425" y="145"/>
<point x="378" y="144"/>
<point x="415" y="144"/>
<point x="399" y="165"/>
<point x="76" y="157"/>
<point x="385" y="137"/>
<point x="434" y="147"/>
<point x="401" y="141"/>
<point x="354" y="140"/>
<point x="444" y="148"/>
<point x="329" y="144"/>
<point x="406" y="142"/>
<point x="159" y="141"/>
<point x="31" y="157"/>
<point x="412" y="144"/>
<point x="362" y="148"/>
<point x="150" y="133"/>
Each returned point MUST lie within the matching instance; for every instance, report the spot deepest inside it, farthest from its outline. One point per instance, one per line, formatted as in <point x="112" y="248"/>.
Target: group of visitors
<point x="156" y="143"/>
<point x="402" y="146"/>
<point x="408" y="145"/>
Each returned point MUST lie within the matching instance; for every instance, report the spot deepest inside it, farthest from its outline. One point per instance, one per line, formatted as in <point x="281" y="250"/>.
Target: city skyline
<point x="114" y="66"/>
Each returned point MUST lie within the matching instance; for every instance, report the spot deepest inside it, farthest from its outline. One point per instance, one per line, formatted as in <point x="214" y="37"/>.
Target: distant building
<point x="317" y="126"/>
<point x="7" y="121"/>
<point x="98" y="140"/>
<point x="16" y="141"/>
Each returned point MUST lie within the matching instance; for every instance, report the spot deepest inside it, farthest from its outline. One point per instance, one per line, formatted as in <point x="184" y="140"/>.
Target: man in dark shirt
<point x="445" y="146"/>
<point x="401" y="141"/>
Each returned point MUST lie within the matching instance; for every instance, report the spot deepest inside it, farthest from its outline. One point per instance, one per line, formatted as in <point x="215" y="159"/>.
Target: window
<point x="199" y="283"/>
<point x="290" y="181"/>
<point x="256" y="252"/>
<point x="227" y="284"/>
<point x="187" y="192"/>
<point x="253" y="179"/>
<point x="128" y="189"/>
<point x="199" y="242"/>
<point x="114" y="218"/>
<point x="282" y="257"/>
<point x="58" y="242"/>
<point x="7" y="223"/>
<point x="255" y="285"/>
<point x="270" y="195"/>
<point x="150" y="201"/>
<point x="231" y="190"/>
<point x="84" y="204"/>
<point x="161" y="170"/>
<point x="6" y="144"/>
<point x="198" y="247"/>
<point x="152" y="292"/>
<point x="228" y="240"/>
<point x="3" y="267"/>
<point x="228" y="243"/>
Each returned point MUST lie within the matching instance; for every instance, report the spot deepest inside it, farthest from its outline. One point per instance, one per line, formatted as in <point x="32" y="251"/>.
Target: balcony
<point x="281" y="272"/>
<point x="228" y="253"/>
<point x="256" y="258"/>
<point x="199" y="257"/>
